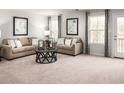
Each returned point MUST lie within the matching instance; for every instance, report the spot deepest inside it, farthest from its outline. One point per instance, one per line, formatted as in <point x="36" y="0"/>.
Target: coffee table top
<point x="46" y="50"/>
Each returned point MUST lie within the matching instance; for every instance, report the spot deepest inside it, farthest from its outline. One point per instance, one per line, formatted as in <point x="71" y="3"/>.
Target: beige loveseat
<point x="74" y="49"/>
<point x="11" y="53"/>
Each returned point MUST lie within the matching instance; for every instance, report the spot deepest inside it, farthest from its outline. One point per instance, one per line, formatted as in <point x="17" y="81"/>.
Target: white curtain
<point x="53" y="27"/>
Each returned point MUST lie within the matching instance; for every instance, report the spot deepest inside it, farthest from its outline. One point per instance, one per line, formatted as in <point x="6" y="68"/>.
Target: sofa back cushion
<point x="25" y="41"/>
<point x="74" y="41"/>
<point x="5" y="41"/>
<point x="78" y="39"/>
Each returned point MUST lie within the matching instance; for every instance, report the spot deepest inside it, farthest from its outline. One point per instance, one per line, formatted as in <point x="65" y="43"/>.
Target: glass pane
<point x="97" y="37"/>
<point x="101" y="37"/>
<point x="120" y="27"/>
<point x="97" y="29"/>
<point x="101" y="22"/>
<point x="120" y="34"/>
<point x="93" y="37"/>
<point x="93" y="23"/>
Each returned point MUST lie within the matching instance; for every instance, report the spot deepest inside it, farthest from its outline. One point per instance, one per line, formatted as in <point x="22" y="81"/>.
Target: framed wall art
<point x="72" y="26"/>
<point x="20" y="26"/>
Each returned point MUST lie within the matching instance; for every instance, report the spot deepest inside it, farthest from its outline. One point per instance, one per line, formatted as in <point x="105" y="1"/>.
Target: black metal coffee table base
<point x="46" y="56"/>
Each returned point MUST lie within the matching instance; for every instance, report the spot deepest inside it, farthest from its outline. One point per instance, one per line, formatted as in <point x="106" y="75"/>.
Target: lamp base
<point x="47" y="37"/>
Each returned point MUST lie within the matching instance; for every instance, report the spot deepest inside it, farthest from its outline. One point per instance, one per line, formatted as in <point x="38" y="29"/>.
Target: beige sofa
<point x="73" y="49"/>
<point x="11" y="53"/>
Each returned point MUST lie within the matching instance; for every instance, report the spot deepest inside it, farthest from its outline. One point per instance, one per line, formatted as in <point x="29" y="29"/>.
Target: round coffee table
<point x="45" y="56"/>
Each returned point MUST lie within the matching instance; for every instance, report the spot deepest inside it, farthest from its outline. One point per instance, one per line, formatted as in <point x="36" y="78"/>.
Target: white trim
<point x="96" y="13"/>
<point x="97" y="54"/>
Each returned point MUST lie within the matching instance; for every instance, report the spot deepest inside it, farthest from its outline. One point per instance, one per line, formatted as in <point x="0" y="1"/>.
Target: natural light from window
<point x="97" y="29"/>
<point x="54" y="27"/>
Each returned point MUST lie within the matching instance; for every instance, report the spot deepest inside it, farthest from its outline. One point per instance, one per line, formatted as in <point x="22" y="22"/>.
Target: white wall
<point x="81" y="26"/>
<point x="36" y="23"/>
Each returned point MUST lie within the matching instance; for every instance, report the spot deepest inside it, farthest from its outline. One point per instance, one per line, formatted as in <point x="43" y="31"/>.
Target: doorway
<point x="118" y="43"/>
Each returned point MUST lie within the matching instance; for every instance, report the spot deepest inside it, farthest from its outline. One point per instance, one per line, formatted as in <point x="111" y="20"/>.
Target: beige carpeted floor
<point x="67" y="70"/>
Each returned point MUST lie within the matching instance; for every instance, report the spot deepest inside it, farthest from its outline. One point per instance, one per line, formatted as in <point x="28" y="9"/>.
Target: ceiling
<point x="48" y="11"/>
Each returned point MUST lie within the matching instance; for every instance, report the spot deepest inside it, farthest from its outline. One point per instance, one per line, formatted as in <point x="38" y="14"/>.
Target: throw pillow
<point x="34" y="41"/>
<point x="11" y="43"/>
<point x="74" y="41"/>
<point x="68" y="42"/>
<point x="60" y="41"/>
<point x="18" y="44"/>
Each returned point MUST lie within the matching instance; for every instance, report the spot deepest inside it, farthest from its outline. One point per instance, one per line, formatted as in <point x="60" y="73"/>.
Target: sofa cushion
<point x="78" y="39"/>
<point x="65" y="47"/>
<point x="5" y="41"/>
<point x="25" y="41"/>
<point x="60" y="46"/>
<point x="22" y="49"/>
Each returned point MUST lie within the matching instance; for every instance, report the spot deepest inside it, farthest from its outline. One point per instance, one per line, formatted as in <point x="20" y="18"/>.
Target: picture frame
<point x="20" y="26"/>
<point x="72" y="26"/>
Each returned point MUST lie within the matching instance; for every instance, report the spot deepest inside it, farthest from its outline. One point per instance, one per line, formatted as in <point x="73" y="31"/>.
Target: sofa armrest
<point x="78" y="48"/>
<point x="6" y="51"/>
<point x="55" y="44"/>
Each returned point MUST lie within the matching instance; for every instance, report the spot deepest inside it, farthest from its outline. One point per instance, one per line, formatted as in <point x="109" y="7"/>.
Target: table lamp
<point x="47" y="33"/>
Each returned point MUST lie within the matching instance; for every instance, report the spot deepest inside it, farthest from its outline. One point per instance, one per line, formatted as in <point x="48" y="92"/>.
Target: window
<point x="97" y="28"/>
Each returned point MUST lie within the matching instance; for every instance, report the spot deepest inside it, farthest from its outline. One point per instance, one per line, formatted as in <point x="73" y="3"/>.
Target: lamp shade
<point x="47" y="33"/>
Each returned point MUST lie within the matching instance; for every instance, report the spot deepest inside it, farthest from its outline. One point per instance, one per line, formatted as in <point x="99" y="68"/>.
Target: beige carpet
<point x="67" y="70"/>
